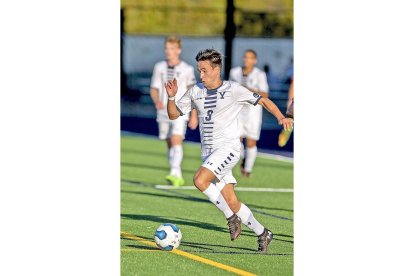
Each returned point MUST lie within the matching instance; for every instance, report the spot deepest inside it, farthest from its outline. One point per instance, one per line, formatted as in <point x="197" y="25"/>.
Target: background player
<point x="218" y="104"/>
<point x="172" y="131"/>
<point x="250" y="118"/>
<point x="284" y="135"/>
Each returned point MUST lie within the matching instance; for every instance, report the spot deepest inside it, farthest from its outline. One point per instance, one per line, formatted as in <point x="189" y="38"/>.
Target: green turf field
<point x="144" y="207"/>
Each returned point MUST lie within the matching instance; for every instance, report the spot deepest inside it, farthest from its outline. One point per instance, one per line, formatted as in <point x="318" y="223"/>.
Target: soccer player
<point x="218" y="103"/>
<point x="250" y="118"/>
<point x="173" y="132"/>
<point x="284" y="135"/>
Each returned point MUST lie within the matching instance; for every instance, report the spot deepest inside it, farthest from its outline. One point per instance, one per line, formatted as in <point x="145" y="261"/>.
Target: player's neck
<point x="215" y="85"/>
<point x="173" y="62"/>
<point x="247" y="70"/>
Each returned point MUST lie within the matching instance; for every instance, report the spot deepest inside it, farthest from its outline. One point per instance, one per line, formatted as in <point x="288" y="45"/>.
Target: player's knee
<point x="199" y="182"/>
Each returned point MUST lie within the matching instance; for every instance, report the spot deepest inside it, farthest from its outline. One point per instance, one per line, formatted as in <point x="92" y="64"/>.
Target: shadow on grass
<point x="268" y="208"/>
<point x="169" y="196"/>
<point x="177" y="221"/>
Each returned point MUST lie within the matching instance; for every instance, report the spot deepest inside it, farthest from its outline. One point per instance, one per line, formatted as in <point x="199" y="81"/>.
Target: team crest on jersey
<point x="256" y="95"/>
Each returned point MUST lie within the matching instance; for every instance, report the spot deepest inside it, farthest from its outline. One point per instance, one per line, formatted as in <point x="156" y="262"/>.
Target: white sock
<point x="251" y="154"/>
<point x="241" y="151"/>
<point x="217" y="199"/>
<point x="176" y="157"/>
<point x="248" y="219"/>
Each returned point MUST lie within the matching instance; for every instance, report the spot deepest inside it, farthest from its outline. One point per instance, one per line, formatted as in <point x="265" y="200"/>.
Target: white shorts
<point x="250" y="122"/>
<point x="221" y="162"/>
<point x="173" y="127"/>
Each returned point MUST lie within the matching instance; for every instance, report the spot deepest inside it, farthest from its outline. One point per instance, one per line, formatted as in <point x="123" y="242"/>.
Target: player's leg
<point x="164" y="134"/>
<point x="251" y="154"/>
<point x="203" y="180"/>
<point x="242" y="155"/>
<point x="177" y="133"/>
<point x="243" y="131"/>
<point x="264" y="235"/>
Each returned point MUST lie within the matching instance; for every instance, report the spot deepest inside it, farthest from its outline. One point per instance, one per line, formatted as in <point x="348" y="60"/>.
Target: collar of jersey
<point x="215" y="89"/>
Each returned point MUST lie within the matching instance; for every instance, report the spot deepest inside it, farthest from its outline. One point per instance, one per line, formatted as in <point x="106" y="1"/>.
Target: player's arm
<point x="156" y="98"/>
<point x="171" y="87"/>
<point x="258" y="91"/>
<point x="193" y="122"/>
<point x="191" y="80"/>
<point x="274" y="110"/>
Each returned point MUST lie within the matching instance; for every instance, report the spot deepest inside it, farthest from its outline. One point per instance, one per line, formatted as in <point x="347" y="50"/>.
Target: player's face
<point x="208" y="75"/>
<point x="249" y="60"/>
<point x="172" y="51"/>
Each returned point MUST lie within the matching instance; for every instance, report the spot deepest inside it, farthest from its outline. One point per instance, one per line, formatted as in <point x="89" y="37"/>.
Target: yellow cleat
<point x="175" y="181"/>
<point x="284" y="137"/>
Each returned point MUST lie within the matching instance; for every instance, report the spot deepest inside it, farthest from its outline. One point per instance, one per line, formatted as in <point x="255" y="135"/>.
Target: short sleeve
<point x="244" y="96"/>
<point x="156" y="81"/>
<point x="184" y="105"/>
<point x="263" y="85"/>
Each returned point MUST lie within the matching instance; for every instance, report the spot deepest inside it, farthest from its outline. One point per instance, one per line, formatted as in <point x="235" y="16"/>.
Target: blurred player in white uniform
<point x="250" y="118"/>
<point x="218" y="104"/>
<point x="172" y="131"/>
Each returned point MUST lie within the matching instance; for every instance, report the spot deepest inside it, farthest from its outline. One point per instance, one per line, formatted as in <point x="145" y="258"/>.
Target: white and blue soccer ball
<point x="168" y="236"/>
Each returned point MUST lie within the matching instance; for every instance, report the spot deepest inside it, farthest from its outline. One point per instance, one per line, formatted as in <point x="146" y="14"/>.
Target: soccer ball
<point x="167" y="236"/>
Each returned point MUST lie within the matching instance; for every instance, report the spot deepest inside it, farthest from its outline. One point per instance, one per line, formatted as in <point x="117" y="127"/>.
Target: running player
<point x="173" y="132"/>
<point x="250" y="118"/>
<point x="218" y="104"/>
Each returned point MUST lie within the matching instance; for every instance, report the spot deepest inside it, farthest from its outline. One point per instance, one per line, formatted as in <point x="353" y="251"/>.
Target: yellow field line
<point x="139" y="250"/>
<point x="191" y="256"/>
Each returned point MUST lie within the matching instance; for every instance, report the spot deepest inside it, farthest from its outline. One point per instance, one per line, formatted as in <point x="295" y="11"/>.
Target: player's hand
<point x="159" y="105"/>
<point x="287" y="123"/>
<point x="171" y="87"/>
<point x="193" y="123"/>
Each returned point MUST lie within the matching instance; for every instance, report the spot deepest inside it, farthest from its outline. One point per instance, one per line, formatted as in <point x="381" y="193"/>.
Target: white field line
<point x="275" y="157"/>
<point x="247" y="189"/>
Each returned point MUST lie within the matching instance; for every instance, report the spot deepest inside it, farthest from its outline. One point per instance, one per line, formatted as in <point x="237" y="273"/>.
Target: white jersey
<point x="183" y="72"/>
<point x="217" y="110"/>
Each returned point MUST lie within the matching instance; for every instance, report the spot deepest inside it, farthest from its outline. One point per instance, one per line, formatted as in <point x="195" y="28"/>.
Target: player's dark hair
<point x="251" y="51"/>
<point x="211" y="55"/>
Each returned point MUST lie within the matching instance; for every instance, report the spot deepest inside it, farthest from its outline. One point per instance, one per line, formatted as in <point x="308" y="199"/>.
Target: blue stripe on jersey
<point x="211" y="98"/>
<point x="209" y="106"/>
<point x="208" y="122"/>
<point x="210" y="102"/>
<point x="258" y="99"/>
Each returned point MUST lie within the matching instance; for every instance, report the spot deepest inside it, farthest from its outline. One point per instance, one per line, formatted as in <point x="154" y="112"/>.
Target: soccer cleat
<point x="175" y="181"/>
<point x="284" y="137"/>
<point x="246" y="174"/>
<point x="264" y="240"/>
<point x="234" y="223"/>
